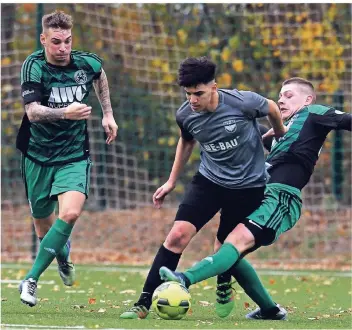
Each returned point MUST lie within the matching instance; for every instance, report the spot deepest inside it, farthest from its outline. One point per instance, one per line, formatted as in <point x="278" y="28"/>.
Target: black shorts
<point x="203" y="199"/>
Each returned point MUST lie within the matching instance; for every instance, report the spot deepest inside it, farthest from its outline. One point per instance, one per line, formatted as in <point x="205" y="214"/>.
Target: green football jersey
<point x="293" y="156"/>
<point x="61" y="141"/>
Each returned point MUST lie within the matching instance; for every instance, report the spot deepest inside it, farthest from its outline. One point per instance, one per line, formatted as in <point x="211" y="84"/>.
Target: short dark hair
<point x="196" y="70"/>
<point x="299" y="81"/>
<point x="306" y="84"/>
<point x="57" y="19"/>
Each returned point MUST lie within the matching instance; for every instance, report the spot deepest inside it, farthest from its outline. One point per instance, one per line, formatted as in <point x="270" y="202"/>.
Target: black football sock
<point x="164" y="257"/>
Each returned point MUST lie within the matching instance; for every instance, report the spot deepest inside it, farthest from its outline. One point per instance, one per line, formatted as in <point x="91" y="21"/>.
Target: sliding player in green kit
<point x="292" y="160"/>
<point x="53" y="139"/>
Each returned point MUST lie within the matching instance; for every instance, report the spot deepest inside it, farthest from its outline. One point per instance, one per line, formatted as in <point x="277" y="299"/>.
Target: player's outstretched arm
<point x="40" y="113"/>
<point x="101" y="87"/>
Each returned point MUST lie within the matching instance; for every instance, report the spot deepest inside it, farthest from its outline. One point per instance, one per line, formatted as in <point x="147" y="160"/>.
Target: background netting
<point x="256" y="47"/>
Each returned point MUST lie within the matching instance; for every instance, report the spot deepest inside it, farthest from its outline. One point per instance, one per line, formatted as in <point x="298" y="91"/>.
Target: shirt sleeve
<point x="334" y="119"/>
<point x="96" y="63"/>
<point x="185" y="134"/>
<point x="31" y="81"/>
<point x="254" y="105"/>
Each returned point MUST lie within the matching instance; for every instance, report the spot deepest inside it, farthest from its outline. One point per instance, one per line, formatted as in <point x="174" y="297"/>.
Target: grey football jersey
<point x="231" y="146"/>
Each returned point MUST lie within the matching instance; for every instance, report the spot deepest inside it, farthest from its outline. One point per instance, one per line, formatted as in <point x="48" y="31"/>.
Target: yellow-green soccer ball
<point x="171" y="301"/>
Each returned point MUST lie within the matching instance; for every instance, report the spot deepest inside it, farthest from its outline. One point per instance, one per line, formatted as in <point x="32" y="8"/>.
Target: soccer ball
<point x="171" y="301"/>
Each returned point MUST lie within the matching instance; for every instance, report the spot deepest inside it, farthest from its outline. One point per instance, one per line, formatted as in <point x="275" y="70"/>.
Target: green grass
<point x="319" y="300"/>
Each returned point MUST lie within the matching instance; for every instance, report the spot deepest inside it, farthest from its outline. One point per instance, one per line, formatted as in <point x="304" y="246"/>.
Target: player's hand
<point x="110" y="127"/>
<point x="77" y="111"/>
<point x="271" y="133"/>
<point x="161" y="192"/>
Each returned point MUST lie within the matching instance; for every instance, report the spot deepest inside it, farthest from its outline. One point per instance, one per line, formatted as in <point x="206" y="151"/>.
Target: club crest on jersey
<point x="80" y="77"/>
<point x="230" y="125"/>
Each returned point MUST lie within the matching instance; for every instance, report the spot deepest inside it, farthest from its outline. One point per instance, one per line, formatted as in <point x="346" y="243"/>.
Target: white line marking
<point x="25" y="326"/>
<point x="141" y="270"/>
<point x="42" y="326"/>
<point x="19" y="281"/>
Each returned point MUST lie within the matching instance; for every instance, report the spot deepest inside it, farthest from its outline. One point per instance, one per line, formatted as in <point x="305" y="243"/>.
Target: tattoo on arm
<point x="39" y="113"/>
<point x="101" y="88"/>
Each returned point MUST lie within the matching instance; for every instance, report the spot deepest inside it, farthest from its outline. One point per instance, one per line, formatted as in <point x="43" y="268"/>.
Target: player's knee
<point x="69" y="216"/>
<point x="241" y="238"/>
<point x="262" y="235"/>
<point x="178" y="239"/>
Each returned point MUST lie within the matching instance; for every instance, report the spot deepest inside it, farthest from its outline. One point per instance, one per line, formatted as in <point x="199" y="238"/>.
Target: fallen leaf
<point x="272" y="281"/>
<point x="101" y="310"/>
<point x="92" y="301"/>
<point x="3" y="299"/>
<point x="208" y="287"/>
<point x="130" y="291"/>
<point x="78" y="306"/>
<point x="204" y="303"/>
<point x="56" y="288"/>
<point x="12" y="285"/>
<point x="246" y="305"/>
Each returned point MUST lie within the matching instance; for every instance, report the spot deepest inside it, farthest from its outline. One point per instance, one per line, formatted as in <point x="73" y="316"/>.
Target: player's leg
<point x="279" y="213"/>
<point x="240" y="240"/>
<point x="42" y="226"/>
<point x="237" y="205"/>
<point x="71" y="198"/>
<point x="260" y="228"/>
<point x="198" y="206"/>
<point x="37" y="180"/>
<point x="248" y="279"/>
<point x="71" y="181"/>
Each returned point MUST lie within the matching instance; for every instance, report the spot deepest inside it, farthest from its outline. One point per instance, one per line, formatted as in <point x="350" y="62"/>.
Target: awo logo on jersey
<point x="218" y="146"/>
<point x="230" y="125"/>
<point x="66" y="95"/>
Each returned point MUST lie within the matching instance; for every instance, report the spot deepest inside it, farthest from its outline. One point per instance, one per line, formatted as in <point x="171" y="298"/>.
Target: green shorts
<point x="44" y="183"/>
<point x="279" y="211"/>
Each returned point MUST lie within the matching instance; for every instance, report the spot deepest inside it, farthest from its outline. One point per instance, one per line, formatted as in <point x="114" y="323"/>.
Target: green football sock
<point x="248" y="279"/>
<point x="63" y="253"/>
<point x="53" y="242"/>
<point x="213" y="265"/>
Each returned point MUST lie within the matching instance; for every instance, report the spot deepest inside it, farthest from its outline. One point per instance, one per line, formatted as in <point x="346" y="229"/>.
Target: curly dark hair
<point x="196" y="70"/>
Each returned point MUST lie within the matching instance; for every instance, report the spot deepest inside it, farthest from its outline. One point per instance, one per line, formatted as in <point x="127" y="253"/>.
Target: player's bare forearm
<point x="40" y="113"/>
<point x="274" y="117"/>
<point x="183" y="152"/>
<point x="101" y="87"/>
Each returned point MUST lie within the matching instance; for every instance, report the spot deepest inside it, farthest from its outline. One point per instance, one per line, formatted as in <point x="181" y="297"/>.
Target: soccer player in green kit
<point x="53" y="139"/>
<point x="292" y="159"/>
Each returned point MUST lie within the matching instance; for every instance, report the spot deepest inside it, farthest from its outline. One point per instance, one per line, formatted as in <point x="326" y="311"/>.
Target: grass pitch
<point x="314" y="300"/>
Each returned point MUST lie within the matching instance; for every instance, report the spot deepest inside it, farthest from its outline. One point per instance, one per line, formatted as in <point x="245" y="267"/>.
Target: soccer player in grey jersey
<point x="231" y="175"/>
<point x="53" y="139"/>
<point x="292" y="159"/>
